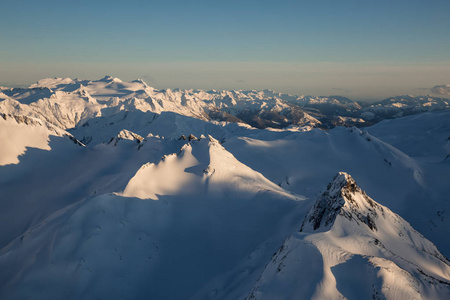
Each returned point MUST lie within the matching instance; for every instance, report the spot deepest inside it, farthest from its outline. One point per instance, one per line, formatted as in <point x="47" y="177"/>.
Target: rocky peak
<point x="192" y="137"/>
<point x="342" y="198"/>
<point x="127" y="135"/>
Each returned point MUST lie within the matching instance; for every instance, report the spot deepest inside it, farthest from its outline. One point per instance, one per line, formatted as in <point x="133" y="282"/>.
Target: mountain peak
<point x="109" y="78"/>
<point x="126" y="135"/>
<point x="141" y="82"/>
<point x="341" y="181"/>
<point x="348" y="232"/>
<point x="344" y="198"/>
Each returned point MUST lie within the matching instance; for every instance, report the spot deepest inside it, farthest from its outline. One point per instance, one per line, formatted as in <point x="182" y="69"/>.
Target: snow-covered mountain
<point x="70" y="103"/>
<point x="114" y="190"/>
<point x="351" y="247"/>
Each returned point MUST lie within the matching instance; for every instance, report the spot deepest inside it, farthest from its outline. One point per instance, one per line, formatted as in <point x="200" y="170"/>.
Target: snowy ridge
<point x="358" y="243"/>
<point x="201" y="167"/>
<point x="17" y="133"/>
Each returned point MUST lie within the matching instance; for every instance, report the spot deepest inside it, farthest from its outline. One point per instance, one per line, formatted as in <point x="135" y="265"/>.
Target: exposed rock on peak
<point x="343" y="197"/>
<point x="127" y="135"/>
<point x="192" y="137"/>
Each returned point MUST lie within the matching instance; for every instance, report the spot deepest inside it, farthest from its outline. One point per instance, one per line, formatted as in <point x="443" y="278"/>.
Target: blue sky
<point x="361" y="49"/>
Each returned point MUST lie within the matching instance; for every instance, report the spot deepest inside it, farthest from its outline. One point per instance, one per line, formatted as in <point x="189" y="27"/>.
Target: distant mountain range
<point x="68" y="103"/>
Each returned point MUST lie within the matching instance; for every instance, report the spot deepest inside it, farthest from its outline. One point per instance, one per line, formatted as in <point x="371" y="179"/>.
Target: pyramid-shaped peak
<point x="342" y="198"/>
<point x="126" y="135"/>
<point x="342" y="181"/>
<point x="192" y="137"/>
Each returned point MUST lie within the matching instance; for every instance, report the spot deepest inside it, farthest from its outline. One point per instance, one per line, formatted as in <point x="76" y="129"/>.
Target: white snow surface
<point x="142" y="212"/>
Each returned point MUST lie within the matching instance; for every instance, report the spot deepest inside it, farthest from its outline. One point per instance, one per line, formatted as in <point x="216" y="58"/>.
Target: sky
<point x="359" y="49"/>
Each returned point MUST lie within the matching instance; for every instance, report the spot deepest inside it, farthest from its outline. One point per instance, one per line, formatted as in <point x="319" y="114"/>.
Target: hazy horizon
<point x="364" y="51"/>
<point x="239" y="87"/>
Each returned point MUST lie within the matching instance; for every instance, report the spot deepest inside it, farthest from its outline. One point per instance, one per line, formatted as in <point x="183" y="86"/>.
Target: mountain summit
<point x="344" y="198"/>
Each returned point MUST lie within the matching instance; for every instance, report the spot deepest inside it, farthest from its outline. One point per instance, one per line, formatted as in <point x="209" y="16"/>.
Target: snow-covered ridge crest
<point x="201" y="167"/>
<point x="343" y="197"/>
<point x="30" y="121"/>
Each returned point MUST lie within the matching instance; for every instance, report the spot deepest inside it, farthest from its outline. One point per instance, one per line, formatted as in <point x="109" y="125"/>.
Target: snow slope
<point x="117" y="246"/>
<point x="424" y="136"/>
<point x="350" y="246"/>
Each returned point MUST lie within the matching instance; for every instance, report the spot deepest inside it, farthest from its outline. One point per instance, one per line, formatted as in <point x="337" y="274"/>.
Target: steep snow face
<point x="202" y="167"/>
<point x="354" y="248"/>
<point x="17" y="133"/>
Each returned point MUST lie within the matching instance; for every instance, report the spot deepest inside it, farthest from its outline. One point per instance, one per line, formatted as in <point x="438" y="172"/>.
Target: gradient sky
<point x="360" y="49"/>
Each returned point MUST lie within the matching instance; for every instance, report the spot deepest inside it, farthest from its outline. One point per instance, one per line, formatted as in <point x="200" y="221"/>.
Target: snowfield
<point x="117" y="190"/>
